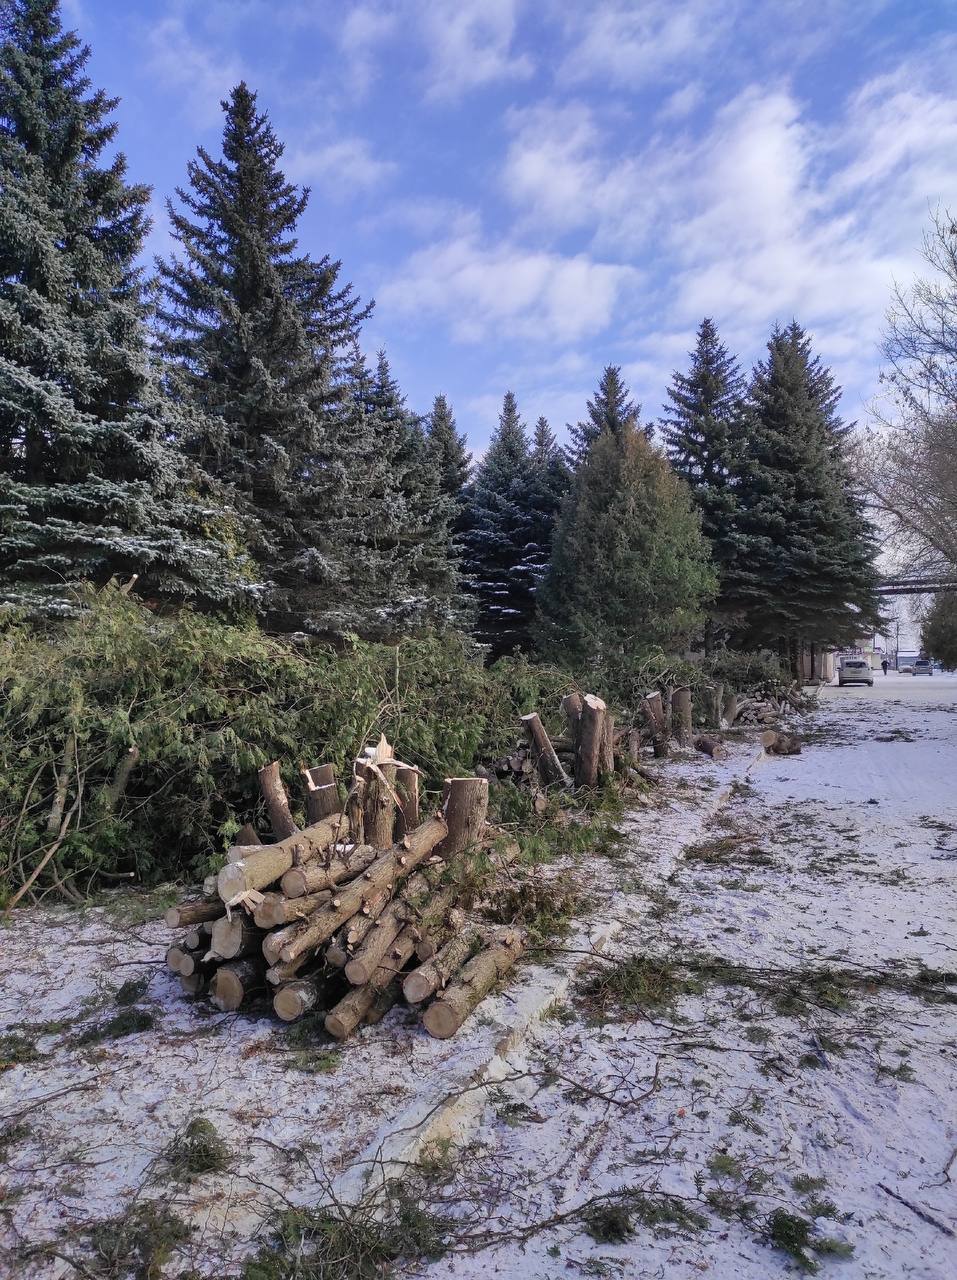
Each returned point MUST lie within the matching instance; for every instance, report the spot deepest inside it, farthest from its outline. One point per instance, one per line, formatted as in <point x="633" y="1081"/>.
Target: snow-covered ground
<point x="785" y="911"/>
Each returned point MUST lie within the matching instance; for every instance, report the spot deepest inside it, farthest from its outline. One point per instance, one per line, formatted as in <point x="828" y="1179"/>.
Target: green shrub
<point x="206" y="704"/>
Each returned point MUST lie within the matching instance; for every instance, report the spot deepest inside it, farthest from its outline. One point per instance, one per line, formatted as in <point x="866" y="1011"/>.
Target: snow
<point x="585" y="1107"/>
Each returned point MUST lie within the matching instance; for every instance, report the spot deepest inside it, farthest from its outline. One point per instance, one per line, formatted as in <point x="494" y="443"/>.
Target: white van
<point x="853" y="669"/>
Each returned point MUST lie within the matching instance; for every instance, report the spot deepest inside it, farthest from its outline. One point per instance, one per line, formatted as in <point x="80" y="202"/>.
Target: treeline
<point x="217" y="430"/>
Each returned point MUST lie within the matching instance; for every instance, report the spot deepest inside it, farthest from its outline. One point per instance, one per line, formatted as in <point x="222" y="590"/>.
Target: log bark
<point x="590" y="740"/>
<point x="234" y="983"/>
<point x="407" y="788"/>
<point x="550" y="768"/>
<point x="355" y="807"/>
<point x="473" y="982"/>
<point x="276" y="909"/>
<point x="681" y="716"/>
<point x="279" y="973"/>
<point x="196" y="912"/>
<point x="272" y="943"/>
<point x="709" y="746"/>
<point x="342" y="1020"/>
<point x="277" y="802"/>
<point x="420" y="906"/>
<point x="316" y="876"/>
<point x="321" y="795"/>
<point x="379" y="807"/>
<point x="430" y="977"/>
<point x="465" y="806"/>
<point x="606" y="762"/>
<point x="195" y="962"/>
<point x="259" y="869"/>
<point x="391" y="866"/>
<point x="195" y="984"/>
<point x="729" y="709"/>
<point x="667" y="711"/>
<point x="232" y="939"/>
<point x="247" y="835"/>
<point x="713" y="699"/>
<point x="572" y="708"/>
<point x="383" y="1002"/>
<point x="343" y="945"/>
<point x="293" y="999"/>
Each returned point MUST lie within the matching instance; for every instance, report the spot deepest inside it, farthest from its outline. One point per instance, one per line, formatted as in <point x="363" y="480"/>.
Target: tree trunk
<point x="591" y="732"/>
<point x="714" y="697"/>
<point x="195" y="912"/>
<point x="682" y="716"/>
<point x="293" y="999"/>
<point x="235" y="982"/>
<point x="259" y="869"/>
<point x="355" y="1005"/>
<point x="473" y="982"/>
<point x="379" y="807"/>
<point x="247" y="835"/>
<point x="234" y="938"/>
<point x="355" y="807"/>
<point x="276" y="909"/>
<point x="729" y="711"/>
<point x="321" y="795"/>
<point x="465" y="807"/>
<point x="549" y="767"/>
<point x="279" y="973"/>
<point x="572" y="707"/>
<point x="277" y="802"/>
<point x="316" y="876"/>
<point x="418" y="906"/>
<point x="606" y="760"/>
<point x="381" y="1005"/>
<point x="667" y="712"/>
<point x="430" y="977"/>
<point x="389" y="867"/>
<point x="708" y="746"/>
<point x="407" y="788"/>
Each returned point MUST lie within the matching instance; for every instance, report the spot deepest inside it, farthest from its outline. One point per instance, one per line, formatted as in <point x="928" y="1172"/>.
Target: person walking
<point x="884" y="665"/>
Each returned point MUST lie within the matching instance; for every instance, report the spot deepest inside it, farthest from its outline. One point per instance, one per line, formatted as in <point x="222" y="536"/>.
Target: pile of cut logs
<point x="353" y="909"/>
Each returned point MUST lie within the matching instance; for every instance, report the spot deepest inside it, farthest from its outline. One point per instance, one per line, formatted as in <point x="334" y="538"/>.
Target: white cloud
<point x="365" y="29"/>
<point x="469" y="44"/>
<point x="483" y="290"/>
<point x="202" y="74"/>
<point x="349" y="161"/>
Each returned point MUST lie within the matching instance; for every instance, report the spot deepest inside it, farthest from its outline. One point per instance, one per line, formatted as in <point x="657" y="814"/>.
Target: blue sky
<point x="532" y="189"/>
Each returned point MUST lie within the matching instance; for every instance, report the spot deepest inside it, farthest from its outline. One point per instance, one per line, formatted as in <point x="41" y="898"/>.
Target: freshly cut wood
<point x="352" y="933"/>
<point x="273" y="942"/>
<point x="392" y="865"/>
<point x="194" y="962"/>
<point x="430" y="977"/>
<point x="343" y="1019"/>
<point x="259" y="869"/>
<point x="667" y="711"/>
<point x="653" y="710"/>
<point x="277" y="802"/>
<point x="235" y="982"/>
<point x="407" y="788"/>
<point x="321" y="795"/>
<point x="355" y="807"/>
<point x="293" y="999"/>
<point x="195" y="912"/>
<point x="379" y="807"/>
<point x="713" y="696"/>
<point x="276" y="909"/>
<point x="590" y="740"/>
<point x="175" y="956"/>
<point x="465" y="806"/>
<point x="606" y="762"/>
<point x="709" y="746"/>
<point x="195" y="984"/>
<point x="729" y="709"/>
<point x="473" y="982"/>
<point x="681" y="716"/>
<point x="780" y="744"/>
<point x="209" y="888"/>
<point x="418" y="905"/>
<point x="550" y="769"/>
<point x="199" y="934"/>
<point x="383" y="1002"/>
<point x="316" y="876"/>
<point x="237" y="937"/>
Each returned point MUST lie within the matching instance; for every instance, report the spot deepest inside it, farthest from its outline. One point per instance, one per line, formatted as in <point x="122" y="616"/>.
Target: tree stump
<point x="682" y="716"/>
<point x="550" y="769"/>
<point x="277" y="802"/>
<point x="407" y="789"/>
<point x="465" y="806"/>
<point x="590" y="740"/>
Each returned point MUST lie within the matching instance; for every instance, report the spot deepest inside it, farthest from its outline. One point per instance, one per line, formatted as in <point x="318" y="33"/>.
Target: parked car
<point x="853" y="670"/>
<point x="907" y="669"/>
<point x="923" y="667"/>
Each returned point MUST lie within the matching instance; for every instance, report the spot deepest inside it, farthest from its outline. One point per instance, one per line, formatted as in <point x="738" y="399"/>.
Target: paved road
<point x="932" y="689"/>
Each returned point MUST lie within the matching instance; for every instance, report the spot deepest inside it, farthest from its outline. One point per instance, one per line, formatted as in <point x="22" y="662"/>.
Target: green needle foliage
<point x="630" y="570"/>
<point x="609" y="411"/>
<point x="89" y="485"/>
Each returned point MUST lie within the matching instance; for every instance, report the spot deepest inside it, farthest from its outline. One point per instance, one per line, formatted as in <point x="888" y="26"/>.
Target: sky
<point x="533" y="189"/>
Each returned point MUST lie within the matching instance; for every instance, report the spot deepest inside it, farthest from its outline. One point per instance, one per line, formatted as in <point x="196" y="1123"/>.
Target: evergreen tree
<point x="551" y="480"/>
<point x="89" y="488"/>
<point x="610" y="410"/>
<point x="702" y="430"/>
<point x="805" y="551"/>
<point x="502" y="539"/>
<point x="630" y="570"/>
<point x="450" y="449"/>
<point x="259" y="336"/>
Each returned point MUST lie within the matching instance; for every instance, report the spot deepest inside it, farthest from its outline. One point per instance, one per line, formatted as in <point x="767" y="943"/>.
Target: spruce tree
<point x="630" y="569"/>
<point x="610" y="410"/>
<point x="702" y="429"/>
<point x="502" y="539"/>
<point x="258" y="336"/>
<point x="450" y="449"/>
<point x="89" y="488"/>
<point x="551" y="480"/>
<point x="804" y="568"/>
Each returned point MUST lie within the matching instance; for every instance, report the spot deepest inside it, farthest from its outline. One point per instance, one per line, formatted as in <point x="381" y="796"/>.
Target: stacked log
<point x="325" y="925"/>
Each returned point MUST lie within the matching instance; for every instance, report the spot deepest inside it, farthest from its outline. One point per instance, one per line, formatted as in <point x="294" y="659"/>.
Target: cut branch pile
<point x="354" y="910"/>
